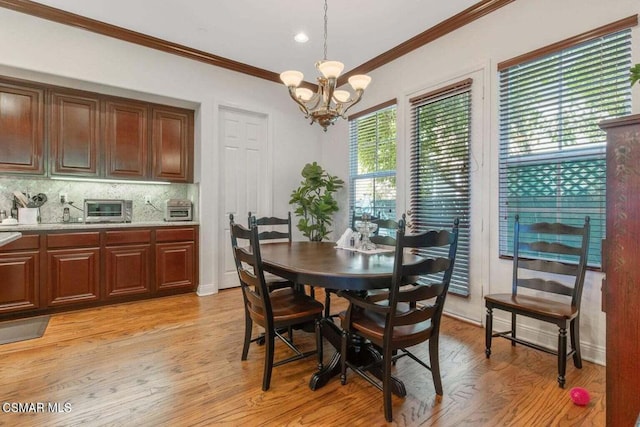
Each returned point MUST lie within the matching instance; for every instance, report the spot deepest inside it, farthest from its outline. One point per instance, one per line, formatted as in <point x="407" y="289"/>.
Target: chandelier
<point x="328" y="104"/>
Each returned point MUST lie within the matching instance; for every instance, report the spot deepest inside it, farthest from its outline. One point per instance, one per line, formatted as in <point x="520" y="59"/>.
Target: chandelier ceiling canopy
<point x="328" y="103"/>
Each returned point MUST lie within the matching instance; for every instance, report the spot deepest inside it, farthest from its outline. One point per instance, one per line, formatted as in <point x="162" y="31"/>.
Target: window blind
<point x="372" y="163"/>
<point x="552" y="152"/>
<point x="439" y="163"/>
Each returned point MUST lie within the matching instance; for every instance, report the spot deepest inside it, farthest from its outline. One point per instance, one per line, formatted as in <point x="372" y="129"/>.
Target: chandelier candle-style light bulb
<point x="329" y="103"/>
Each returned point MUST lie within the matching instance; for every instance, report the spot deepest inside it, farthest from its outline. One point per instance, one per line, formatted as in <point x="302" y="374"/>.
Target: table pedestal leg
<point x="365" y="356"/>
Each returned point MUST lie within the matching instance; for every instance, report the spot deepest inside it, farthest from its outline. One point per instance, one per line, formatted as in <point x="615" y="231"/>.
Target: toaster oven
<point x="178" y="210"/>
<point x="107" y="210"/>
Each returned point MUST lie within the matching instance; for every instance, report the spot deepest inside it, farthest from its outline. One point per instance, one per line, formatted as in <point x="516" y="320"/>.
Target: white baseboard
<point x="206" y="289"/>
<point x="590" y="352"/>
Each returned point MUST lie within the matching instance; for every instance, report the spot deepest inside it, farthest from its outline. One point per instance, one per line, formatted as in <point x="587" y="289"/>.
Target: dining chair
<point x="273" y="310"/>
<point x="549" y="265"/>
<point x="385" y="232"/>
<point x="408" y="314"/>
<point x="274" y="229"/>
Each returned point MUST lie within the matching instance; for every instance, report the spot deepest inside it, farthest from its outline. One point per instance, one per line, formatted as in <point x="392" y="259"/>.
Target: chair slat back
<point x="404" y="287"/>
<point x="282" y="232"/>
<point x="250" y="273"/>
<point x="560" y="255"/>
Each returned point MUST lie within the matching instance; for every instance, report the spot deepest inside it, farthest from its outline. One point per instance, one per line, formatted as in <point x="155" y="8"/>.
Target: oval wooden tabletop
<point x="322" y="264"/>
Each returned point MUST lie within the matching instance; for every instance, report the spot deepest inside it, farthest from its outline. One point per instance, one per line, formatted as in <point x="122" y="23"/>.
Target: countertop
<point x="8" y="237"/>
<point x="82" y="226"/>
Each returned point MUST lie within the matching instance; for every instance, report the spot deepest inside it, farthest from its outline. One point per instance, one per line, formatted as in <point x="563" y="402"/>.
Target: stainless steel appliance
<point x="108" y="210"/>
<point x="178" y="210"/>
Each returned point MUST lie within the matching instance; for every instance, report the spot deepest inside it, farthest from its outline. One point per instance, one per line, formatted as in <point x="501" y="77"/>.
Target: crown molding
<point x="468" y="15"/>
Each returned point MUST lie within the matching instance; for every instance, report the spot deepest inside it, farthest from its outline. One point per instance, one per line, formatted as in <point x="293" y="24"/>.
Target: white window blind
<point x="552" y="152"/>
<point x="372" y="162"/>
<point x="439" y="175"/>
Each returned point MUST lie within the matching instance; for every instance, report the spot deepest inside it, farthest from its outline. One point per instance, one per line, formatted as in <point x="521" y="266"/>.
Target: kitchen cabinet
<point x="621" y="287"/>
<point x="176" y="257"/>
<point x="56" y="270"/>
<point x="21" y="128"/>
<point x="74" y="139"/>
<point x="172" y="144"/>
<point x="73" y="266"/>
<point x="20" y="275"/>
<point x="128" y="257"/>
<point x="125" y="139"/>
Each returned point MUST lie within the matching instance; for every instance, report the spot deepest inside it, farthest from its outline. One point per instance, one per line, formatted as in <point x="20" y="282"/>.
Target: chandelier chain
<point x="325" y="30"/>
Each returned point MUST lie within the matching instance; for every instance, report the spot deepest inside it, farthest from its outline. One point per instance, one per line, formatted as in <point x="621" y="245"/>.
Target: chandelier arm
<point x="357" y="99"/>
<point x="303" y="107"/>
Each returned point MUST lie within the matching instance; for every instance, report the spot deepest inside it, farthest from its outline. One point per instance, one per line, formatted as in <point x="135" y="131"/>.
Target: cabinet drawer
<point x="69" y="240"/>
<point x="175" y="234"/>
<point x="127" y="236"/>
<point x="29" y="241"/>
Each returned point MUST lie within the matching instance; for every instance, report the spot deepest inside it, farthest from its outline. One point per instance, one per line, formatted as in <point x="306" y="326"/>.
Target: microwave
<point x="178" y="210"/>
<point x="107" y="210"/>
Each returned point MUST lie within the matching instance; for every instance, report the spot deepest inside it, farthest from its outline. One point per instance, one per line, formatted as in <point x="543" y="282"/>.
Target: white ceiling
<point x="260" y="32"/>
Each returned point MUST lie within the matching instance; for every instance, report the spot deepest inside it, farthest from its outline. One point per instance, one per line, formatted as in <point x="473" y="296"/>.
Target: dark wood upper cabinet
<point x="21" y="129"/>
<point x="172" y="144"/>
<point x="125" y="139"/>
<point x="74" y="145"/>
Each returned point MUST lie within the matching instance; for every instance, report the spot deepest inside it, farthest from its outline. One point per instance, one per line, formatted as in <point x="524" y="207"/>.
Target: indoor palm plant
<point x="314" y="201"/>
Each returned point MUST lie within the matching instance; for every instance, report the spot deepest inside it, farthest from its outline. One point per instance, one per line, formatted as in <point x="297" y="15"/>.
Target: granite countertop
<point x="8" y="237"/>
<point x="81" y="225"/>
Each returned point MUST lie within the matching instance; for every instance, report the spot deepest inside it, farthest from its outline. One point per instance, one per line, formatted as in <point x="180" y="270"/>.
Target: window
<point x="552" y="152"/>
<point x="372" y="165"/>
<point x="439" y="175"/>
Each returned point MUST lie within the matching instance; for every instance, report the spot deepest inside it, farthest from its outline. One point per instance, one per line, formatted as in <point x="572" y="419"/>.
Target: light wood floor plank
<point x="175" y="361"/>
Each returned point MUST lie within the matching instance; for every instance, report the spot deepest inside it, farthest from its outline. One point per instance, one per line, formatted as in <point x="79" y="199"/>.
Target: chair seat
<point x="277" y="282"/>
<point x="371" y="325"/>
<point x="290" y="306"/>
<point x="538" y="306"/>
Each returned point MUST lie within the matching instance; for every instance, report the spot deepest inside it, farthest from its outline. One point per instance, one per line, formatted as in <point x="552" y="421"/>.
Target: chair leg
<point x="248" y="328"/>
<point x="343" y="357"/>
<point x="574" y="330"/>
<point x="488" y="332"/>
<point x="327" y="303"/>
<point x="268" y="359"/>
<point x="513" y="328"/>
<point x="319" y="347"/>
<point x="434" y="360"/>
<point x="562" y="356"/>
<point x="386" y="384"/>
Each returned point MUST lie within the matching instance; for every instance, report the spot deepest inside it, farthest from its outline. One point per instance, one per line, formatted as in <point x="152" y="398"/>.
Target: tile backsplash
<point x="77" y="191"/>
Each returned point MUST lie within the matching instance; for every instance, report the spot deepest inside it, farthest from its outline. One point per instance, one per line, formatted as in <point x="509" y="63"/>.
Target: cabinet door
<point x="126" y="143"/>
<point x="73" y="275"/>
<point x="127" y="270"/>
<point x="172" y="144"/>
<point x="21" y="129"/>
<point x="20" y="283"/>
<point x="175" y="266"/>
<point x="74" y="138"/>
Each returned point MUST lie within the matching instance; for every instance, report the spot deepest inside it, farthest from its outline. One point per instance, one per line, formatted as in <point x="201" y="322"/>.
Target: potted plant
<point x="314" y="201"/>
<point x="635" y="74"/>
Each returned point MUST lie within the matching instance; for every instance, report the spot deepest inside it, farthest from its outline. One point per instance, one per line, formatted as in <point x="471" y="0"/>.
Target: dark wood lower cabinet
<point x="74" y="276"/>
<point x="56" y="271"/>
<point x="175" y="266"/>
<point x="127" y="270"/>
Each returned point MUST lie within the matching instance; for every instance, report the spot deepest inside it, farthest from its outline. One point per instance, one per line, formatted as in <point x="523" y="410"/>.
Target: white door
<point x="244" y="184"/>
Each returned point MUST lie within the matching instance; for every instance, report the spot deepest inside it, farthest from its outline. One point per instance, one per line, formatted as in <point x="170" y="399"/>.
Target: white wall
<point x="474" y="51"/>
<point x="40" y="50"/>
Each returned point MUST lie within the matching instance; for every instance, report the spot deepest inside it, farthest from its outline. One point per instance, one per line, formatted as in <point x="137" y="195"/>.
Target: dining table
<point x="325" y="265"/>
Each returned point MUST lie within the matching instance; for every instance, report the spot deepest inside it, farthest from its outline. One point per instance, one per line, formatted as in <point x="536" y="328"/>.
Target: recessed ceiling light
<point x="301" y="37"/>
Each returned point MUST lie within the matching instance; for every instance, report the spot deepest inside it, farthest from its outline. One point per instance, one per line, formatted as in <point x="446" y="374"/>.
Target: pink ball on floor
<point x="580" y="396"/>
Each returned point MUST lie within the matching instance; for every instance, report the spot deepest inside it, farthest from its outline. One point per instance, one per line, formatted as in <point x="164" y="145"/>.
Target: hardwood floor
<point x="175" y="361"/>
